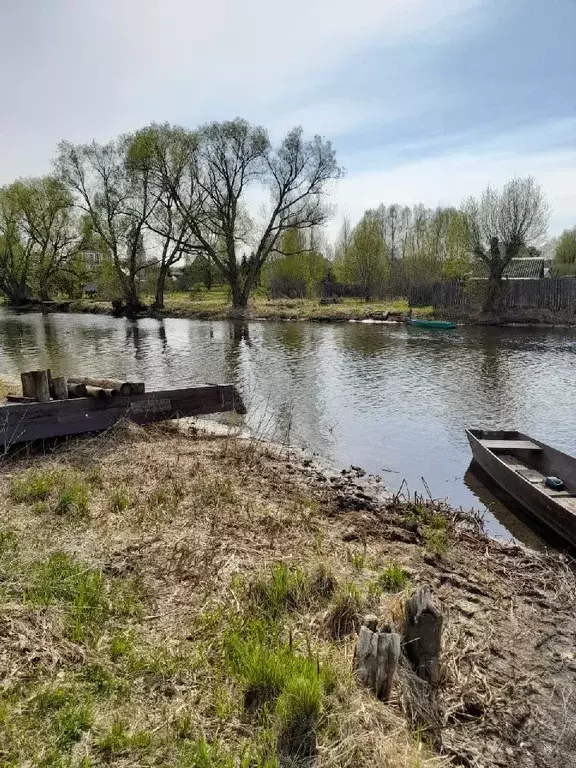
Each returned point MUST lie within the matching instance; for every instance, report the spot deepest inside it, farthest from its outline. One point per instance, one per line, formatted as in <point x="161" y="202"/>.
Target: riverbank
<point x="215" y="306"/>
<point x="172" y="598"/>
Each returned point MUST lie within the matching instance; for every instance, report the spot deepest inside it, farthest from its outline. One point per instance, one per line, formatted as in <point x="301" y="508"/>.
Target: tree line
<point x="151" y="197"/>
<point x="241" y="211"/>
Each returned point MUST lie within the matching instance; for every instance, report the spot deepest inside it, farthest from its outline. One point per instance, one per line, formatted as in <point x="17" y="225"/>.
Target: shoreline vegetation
<point x="215" y="305"/>
<point x="199" y="605"/>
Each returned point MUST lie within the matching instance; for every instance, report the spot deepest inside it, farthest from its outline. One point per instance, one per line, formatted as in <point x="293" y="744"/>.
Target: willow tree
<point x="501" y="224"/>
<point x="214" y="175"/>
<point x="112" y="184"/>
<point x="365" y="263"/>
<point x="38" y="237"/>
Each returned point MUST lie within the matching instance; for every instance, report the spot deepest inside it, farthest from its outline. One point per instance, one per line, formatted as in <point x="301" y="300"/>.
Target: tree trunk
<point x="239" y="294"/>
<point x="160" y="285"/>
<point x="494" y="291"/>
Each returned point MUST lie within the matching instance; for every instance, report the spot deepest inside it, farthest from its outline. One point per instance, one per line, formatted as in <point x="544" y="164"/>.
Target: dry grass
<point x="180" y="618"/>
<point x="201" y="611"/>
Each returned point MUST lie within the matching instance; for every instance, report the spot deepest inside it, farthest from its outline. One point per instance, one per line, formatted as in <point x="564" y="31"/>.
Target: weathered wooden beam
<point x="36" y="421"/>
<point x="423" y="635"/>
<point x="376" y="658"/>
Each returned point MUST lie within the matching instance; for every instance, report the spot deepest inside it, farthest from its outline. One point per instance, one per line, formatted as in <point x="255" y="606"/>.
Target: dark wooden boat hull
<point x="557" y="511"/>
<point x="24" y="422"/>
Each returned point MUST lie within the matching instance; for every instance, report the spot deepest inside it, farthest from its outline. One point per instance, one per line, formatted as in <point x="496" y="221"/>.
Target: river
<point x="392" y="399"/>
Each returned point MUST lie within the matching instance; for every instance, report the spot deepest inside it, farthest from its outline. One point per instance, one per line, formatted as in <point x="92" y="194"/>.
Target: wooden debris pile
<point x="41" y="387"/>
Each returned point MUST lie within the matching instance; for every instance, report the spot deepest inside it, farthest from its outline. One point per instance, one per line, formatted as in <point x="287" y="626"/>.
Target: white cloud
<point x="88" y="70"/>
<point x="449" y="179"/>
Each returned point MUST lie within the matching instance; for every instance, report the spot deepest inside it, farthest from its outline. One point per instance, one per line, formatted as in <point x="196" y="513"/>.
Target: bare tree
<point x="501" y="224"/>
<point x="210" y="173"/>
<point x="112" y="183"/>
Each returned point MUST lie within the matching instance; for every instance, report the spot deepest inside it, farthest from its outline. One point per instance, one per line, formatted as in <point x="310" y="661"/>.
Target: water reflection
<point x="383" y="396"/>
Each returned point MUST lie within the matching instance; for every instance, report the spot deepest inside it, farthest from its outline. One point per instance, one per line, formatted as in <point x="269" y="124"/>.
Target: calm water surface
<point x="392" y="399"/>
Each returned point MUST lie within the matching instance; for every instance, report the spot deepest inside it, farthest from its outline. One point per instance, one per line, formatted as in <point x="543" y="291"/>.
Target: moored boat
<point x="438" y="324"/>
<point x="539" y="477"/>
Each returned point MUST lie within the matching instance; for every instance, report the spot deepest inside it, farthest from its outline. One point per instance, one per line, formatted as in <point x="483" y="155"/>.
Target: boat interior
<point x="534" y="463"/>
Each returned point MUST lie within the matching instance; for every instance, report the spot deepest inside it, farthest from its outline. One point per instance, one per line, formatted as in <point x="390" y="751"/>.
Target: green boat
<point x="440" y="324"/>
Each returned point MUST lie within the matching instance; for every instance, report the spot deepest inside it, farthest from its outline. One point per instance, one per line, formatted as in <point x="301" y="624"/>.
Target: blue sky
<point x="425" y="100"/>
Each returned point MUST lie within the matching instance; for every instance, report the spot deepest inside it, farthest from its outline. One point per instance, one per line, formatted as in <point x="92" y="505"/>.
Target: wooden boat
<point x="437" y="324"/>
<point x="23" y="422"/>
<point x="521" y="466"/>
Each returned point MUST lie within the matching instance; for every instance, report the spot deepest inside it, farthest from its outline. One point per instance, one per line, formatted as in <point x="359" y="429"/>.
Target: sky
<point x="424" y="100"/>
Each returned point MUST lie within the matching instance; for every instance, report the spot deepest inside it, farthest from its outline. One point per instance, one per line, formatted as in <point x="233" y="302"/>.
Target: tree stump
<point x="376" y="658"/>
<point x="422" y="635"/>
<point x="35" y="384"/>
<point x="59" y="388"/>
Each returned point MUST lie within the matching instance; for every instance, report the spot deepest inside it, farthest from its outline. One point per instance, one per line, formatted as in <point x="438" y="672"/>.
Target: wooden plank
<point x="36" y="421"/>
<point x="517" y="445"/>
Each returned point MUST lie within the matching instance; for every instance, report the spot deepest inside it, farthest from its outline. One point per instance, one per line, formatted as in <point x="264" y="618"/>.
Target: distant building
<point x="90" y="289"/>
<point x="91" y="258"/>
<point x="521" y="268"/>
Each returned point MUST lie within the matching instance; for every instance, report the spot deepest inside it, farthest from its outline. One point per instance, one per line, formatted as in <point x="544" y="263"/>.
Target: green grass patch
<point x="432" y="525"/>
<point x="436" y="540"/>
<point x="90" y="599"/>
<point x="290" y="588"/>
<point x="119" y="500"/>
<point x="118" y="742"/>
<point x="62" y="492"/>
<point x="279" y="682"/>
<point x="34" y="486"/>
<point x="356" y="559"/>
<point x="392" y="578"/>
<point x="344" y="615"/>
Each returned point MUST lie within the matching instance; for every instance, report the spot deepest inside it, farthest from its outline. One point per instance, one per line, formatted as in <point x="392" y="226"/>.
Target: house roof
<point x="521" y="268"/>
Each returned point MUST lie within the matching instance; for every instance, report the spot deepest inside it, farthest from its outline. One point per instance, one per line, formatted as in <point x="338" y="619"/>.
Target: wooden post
<point x="59" y="388"/>
<point x="422" y="635"/>
<point x="35" y="384"/>
<point x="376" y="658"/>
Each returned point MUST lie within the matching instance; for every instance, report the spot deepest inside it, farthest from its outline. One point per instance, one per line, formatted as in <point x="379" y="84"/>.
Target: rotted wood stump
<point x="423" y="635"/>
<point x="36" y="385"/>
<point x="59" y="388"/>
<point x="376" y="657"/>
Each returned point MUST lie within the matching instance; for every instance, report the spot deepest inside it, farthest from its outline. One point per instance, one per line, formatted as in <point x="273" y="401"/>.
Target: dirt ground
<point x="192" y="524"/>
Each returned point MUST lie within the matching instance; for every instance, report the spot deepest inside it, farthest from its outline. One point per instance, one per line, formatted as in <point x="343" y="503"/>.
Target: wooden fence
<point x="555" y="294"/>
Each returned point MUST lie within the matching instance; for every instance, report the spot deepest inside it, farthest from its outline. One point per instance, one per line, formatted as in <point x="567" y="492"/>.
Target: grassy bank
<point x="170" y="599"/>
<point x="215" y="305"/>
